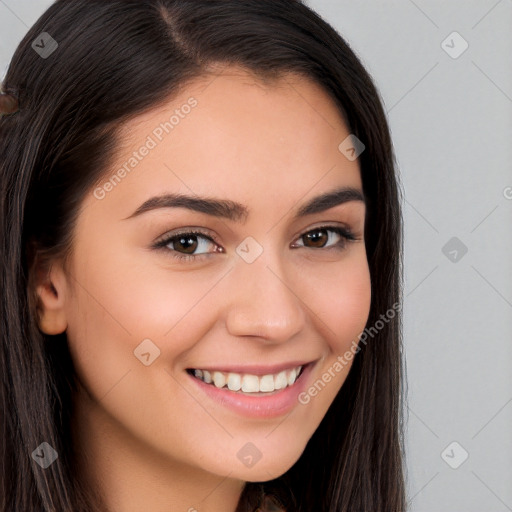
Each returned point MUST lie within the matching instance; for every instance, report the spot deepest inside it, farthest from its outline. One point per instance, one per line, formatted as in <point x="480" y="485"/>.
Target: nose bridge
<point x="262" y="301"/>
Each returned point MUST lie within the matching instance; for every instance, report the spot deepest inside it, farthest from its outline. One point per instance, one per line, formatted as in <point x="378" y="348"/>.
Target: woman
<point x="201" y="264"/>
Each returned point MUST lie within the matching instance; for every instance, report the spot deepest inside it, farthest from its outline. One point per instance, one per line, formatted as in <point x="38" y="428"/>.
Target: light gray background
<point x="451" y="121"/>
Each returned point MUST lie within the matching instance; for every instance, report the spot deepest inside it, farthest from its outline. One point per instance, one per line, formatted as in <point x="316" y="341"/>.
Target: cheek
<point x="340" y="309"/>
<point x="342" y="301"/>
<point x="118" y="306"/>
<point x="134" y="301"/>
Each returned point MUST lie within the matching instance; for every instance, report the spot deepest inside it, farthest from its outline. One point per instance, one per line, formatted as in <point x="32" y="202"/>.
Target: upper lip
<point x="253" y="369"/>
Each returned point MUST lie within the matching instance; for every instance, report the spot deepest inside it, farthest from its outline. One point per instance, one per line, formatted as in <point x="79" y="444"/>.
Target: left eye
<point x="184" y="245"/>
<point x="318" y="237"/>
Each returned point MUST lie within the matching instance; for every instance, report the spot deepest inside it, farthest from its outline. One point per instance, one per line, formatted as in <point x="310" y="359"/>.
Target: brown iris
<point x="187" y="240"/>
<point x="316" y="239"/>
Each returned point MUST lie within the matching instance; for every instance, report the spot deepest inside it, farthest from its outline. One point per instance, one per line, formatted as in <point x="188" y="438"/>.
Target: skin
<point x="150" y="438"/>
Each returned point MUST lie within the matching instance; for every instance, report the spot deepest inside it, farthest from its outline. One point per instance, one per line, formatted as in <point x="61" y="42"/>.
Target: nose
<point x="263" y="302"/>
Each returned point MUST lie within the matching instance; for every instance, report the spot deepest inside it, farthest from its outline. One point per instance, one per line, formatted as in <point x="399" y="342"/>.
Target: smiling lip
<point x="259" y="405"/>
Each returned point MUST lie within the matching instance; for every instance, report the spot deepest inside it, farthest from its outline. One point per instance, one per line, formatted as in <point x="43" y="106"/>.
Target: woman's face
<point x="268" y="285"/>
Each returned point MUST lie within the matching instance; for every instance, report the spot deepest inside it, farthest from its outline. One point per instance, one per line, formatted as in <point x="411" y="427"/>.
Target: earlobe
<point x="51" y="301"/>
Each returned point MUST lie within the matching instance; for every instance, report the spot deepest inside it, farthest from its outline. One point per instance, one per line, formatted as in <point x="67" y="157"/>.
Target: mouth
<point x="260" y="395"/>
<point x="249" y="384"/>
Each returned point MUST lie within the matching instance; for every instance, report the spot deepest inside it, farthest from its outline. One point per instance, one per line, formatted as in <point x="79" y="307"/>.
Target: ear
<point x="51" y="295"/>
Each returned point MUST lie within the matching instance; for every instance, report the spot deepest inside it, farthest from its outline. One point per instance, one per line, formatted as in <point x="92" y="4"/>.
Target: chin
<point x="268" y="468"/>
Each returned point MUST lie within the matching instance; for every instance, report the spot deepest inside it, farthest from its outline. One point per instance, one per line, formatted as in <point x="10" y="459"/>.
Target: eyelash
<point x="346" y="236"/>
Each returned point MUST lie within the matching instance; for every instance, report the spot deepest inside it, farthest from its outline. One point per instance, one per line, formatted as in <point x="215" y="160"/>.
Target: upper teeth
<point x="249" y="383"/>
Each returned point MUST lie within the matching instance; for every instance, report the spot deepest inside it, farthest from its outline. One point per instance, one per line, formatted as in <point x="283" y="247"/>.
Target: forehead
<point x="231" y="134"/>
<point x="238" y="100"/>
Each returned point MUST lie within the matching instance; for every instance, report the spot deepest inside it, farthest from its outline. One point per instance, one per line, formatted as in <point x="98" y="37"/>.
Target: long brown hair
<point x="114" y="60"/>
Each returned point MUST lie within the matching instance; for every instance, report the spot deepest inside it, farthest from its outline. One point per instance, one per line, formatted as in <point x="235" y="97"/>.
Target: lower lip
<point x="258" y="406"/>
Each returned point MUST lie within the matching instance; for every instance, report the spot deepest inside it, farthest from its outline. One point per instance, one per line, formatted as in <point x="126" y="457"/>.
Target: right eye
<point x="185" y="243"/>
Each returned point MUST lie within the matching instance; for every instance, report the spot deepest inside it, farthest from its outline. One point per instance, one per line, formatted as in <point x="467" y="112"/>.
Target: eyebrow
<point x="237" y="212"/>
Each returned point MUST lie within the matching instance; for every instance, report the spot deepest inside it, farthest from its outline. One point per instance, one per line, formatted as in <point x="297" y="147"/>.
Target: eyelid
<point x="326" y="225"/>
<point x="187" y="231"/>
